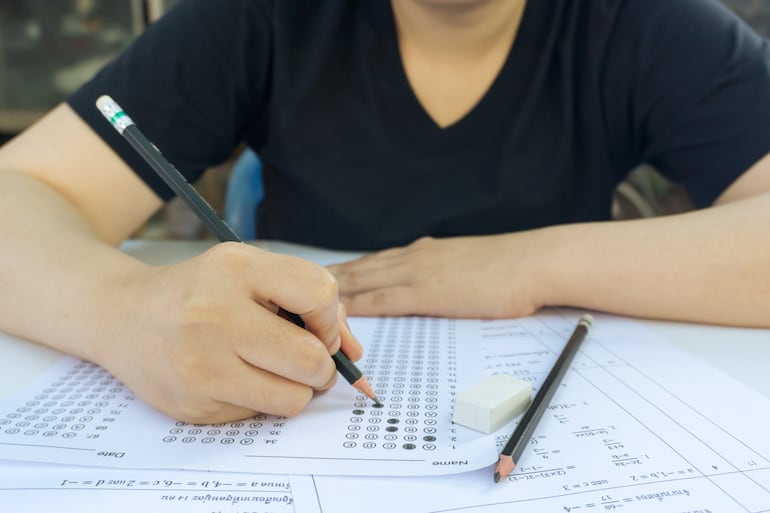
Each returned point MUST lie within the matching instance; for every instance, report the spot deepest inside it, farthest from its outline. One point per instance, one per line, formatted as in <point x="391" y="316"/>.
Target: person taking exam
<point x="472" y="146"/>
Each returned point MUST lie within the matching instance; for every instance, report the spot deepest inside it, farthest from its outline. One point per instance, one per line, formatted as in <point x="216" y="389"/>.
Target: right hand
<point x="208" y="345"/>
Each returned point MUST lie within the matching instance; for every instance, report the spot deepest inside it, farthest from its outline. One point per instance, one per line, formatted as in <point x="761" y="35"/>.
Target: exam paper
<point x="70" y="489"/>
<point x="636" y="426"/>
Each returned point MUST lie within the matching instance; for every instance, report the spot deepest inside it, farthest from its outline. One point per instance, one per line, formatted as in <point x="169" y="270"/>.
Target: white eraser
<point x="492" y="402"/>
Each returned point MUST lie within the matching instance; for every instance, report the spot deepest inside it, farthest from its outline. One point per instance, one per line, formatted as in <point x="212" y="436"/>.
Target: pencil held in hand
<point x="192" y="198"/>
<point x="523" y="432"/>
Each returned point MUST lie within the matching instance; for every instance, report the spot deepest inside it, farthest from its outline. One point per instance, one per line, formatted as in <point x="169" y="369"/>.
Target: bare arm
<point x="71" y="201"/>
<point x="68" y="201"/>
<point x="706" y="266"/>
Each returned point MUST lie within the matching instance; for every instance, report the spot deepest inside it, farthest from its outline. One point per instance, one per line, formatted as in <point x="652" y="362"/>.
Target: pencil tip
<point x="503" y="467"/>
<point x="363" y="386"/>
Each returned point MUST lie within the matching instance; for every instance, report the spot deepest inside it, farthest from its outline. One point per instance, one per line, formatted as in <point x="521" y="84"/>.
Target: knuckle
<point x="225" y="255"/>
<point x="188" y="368"/>
<point x="197" y="412"/>
<point x="374" y="303"/>
<point x="321" y="285"/>
<point x="262" y="399"/>
<point x="314" y="362"/>
<point x="295" y="403"/>
<point x="327" y="285"/>
<point x="197" y="315"/>
<point x="351" y="278"/>
<point x="379" y="298"/>
<point x="228" y="251"/>
<point x="290" y="401"/>
<point x="423" y="241"/>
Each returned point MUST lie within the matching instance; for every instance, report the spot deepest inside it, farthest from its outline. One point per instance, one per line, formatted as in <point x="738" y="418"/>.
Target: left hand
<point x="480" y="277"/>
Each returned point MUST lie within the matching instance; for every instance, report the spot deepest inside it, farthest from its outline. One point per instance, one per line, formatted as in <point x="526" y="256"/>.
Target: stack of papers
<point x="636" y="425"/>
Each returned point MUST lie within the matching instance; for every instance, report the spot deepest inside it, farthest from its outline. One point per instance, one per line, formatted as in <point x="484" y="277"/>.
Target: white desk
<point x="743" y="354"/>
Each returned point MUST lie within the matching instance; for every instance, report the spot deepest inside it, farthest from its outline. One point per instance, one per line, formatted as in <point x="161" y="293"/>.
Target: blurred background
<point x="49" y="47"/>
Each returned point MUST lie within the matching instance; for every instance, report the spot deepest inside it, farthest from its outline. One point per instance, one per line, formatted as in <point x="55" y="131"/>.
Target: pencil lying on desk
<point x="523" y="432"/>
<point x="177" y="182"/>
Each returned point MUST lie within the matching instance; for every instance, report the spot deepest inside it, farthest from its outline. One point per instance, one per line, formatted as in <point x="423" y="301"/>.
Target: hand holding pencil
<point x="223" y="351"/>
<point x="208" y="345"/>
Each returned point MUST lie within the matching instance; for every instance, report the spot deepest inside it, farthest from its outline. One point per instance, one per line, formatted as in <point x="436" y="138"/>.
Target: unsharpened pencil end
<point x="107" y="106"/>
<point x="113" y="113"/>
<point x="587" y="320"/>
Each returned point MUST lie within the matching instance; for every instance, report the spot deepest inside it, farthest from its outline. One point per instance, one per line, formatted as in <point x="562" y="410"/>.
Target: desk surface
<point x="740" y="353"/>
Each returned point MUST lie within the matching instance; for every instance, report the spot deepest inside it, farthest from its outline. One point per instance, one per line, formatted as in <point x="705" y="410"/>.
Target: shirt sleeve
<point x="195" y="83"/>
<point x="699" y="92"/>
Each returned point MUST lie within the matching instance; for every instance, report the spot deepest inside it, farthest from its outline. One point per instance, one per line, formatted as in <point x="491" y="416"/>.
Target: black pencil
<point x="518" y="441"/>
<point x="177" y="182"/>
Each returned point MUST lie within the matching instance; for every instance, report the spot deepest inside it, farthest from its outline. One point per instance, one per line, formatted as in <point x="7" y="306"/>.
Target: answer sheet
<point x="76" y="413"/>
<point x="637" y="426"/>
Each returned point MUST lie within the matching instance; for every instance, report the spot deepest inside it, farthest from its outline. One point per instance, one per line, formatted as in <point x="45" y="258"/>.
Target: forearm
<point x="706" y="266"/>
<point x="62" y="285"/>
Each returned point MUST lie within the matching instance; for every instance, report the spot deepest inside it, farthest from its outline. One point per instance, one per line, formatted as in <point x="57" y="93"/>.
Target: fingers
<point x="273" y="343"/>
<point x="216" y="413"/>
<point x="298" y="286"/>
<point x="395" y="301"/>
<point x="415" y="264"/>
<point x="389" y="268"/>
<point x="267" y="341"/>
<point x="265" y="392"/>
<point x="358" y="277"/>
<point x="210" y="386"/>
<point x="244" y="392"/>
<point x="228" y="352"/>
<point x="374" y="258"/>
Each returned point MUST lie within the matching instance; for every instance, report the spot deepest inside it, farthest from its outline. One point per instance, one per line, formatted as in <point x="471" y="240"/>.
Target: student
<point x="481" y="139"/>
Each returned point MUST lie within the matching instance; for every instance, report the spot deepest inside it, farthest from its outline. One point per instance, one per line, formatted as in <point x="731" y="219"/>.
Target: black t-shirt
<point x="590" y="89"/>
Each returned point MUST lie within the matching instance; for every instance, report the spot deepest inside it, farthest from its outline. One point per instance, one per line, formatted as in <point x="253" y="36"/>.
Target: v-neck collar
<point x="508" y="87"/>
